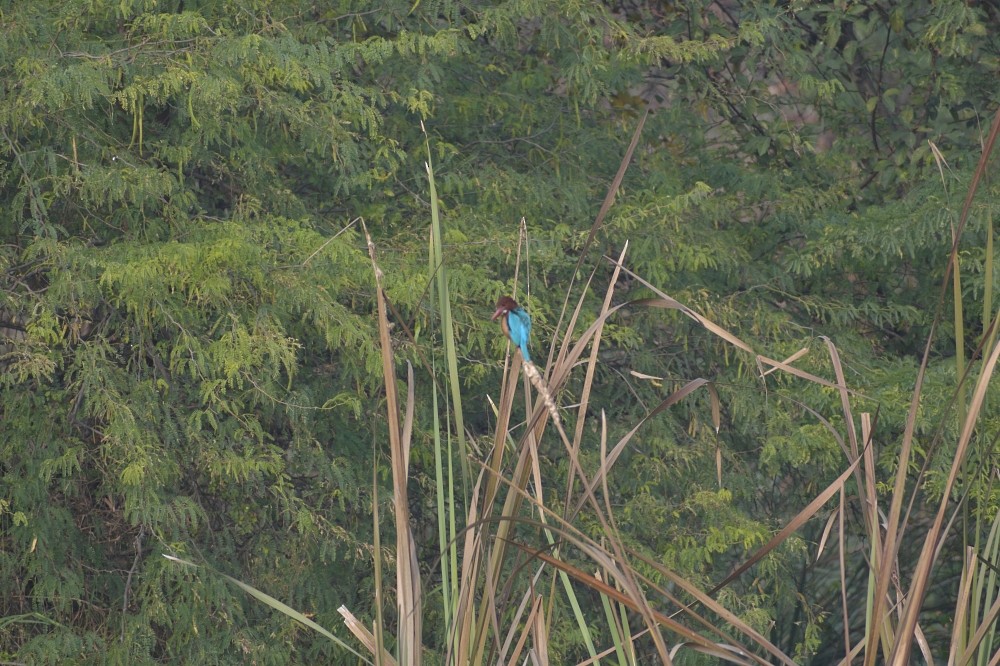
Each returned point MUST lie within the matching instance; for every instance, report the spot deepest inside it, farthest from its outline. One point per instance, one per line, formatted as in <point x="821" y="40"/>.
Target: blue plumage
<point x="516" y="324"/>
<point x="519" y="330"/>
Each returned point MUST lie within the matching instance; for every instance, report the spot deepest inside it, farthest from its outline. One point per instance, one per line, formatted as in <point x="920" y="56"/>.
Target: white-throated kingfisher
<point x="515" y="322"/>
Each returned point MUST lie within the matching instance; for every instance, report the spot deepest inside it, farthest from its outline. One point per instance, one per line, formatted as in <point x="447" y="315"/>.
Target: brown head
<point x="504" y="305"/>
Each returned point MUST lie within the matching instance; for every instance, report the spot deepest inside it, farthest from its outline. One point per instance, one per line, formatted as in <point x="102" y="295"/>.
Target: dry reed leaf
<point x="720" y="610"/>
<point x="842" y="556"/>
<point x="364" y="635"/>
<point x="927" y="559"/>
<point x="717" y="424"/>
<point x="536" y="606"/>
<point x="664" y="620"/>
<point x="541" y="637"/>
<point x="607" y="463"/>
<point x="664" y="301"/>
<point x="734" y="657"/>
<point x="636" y="597"/>
<point x="508" y="388"/>
<point x="591" y="369"/>
<point x="901" y="651"/>
<point x="409" y="636"/>
<point x="609" y="199"/>
<point x="962" y="606"/>
<point x="801" y="374"/>
<point x="611" y="650"/>
<point x="515" y="621"/>
<point x="605" y="490"/>
<point x="925" y="647"/>
<point x="987" y="625"/>
<point x="845" y="401"/>
<point x="826" y="533"/>
<point x="939" y="159"/>
<point x="871" y="496"/>
<point x="668" y="303"/>
<point x="788" y="361"/>
<point x="793" y="526"/>
<point x="460" y="642"/>
<point x="713" y="394"/>
<point x="848" y="660"/>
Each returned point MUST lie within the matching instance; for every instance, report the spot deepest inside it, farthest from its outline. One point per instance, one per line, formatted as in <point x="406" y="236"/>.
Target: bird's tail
<point x="536" y="380"/>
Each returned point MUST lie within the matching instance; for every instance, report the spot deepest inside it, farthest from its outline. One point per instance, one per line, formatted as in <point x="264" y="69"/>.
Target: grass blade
<point x="901" y="651"/>
<point x="926" y="561"/>
<point x="275" y="604"/>
<point x="408" y="638"/>
<point x="447" y="325"/>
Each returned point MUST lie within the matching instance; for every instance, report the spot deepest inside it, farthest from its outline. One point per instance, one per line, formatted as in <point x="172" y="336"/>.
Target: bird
<point x="516" y="324"/>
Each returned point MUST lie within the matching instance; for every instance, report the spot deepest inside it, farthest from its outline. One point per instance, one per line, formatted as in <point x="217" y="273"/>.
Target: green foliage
<point x="188" y="358"/>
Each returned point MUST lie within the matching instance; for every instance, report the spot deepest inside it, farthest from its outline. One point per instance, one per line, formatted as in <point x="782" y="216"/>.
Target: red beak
<point x="498" y="313"/>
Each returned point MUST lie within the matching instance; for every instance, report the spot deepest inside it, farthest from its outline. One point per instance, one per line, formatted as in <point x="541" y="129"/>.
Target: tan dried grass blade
<point x="507" y="390"/>
<point x="609" y="461"/>
<point x="666" y="302"/>
<point x="626" y="576"/>
<point x="988" y="624"/>
<point x="826" y="533"/>
<point x="901" y="651"/>
<point x="717" y="424"/>
<point x="609" y="199"/>
<point x="962" y="606"/>
<point x="462" y="640"/>
<point x="793" y="526"/>
<point x="734" y="656"/>
<point x="634" y="594"/>
<point x="588" y="380"/>
<point x="527" y="598"/>
<point x="669" y="303"/>
<point x="279" y="606"/>
<point x="536" y="607"/>
<point x="845" y="402"/>
<point x="364" y="635"/>
<point x="848" y="660"/>
<point x="626" y="600"/>
<point x="407" y="572"/>
<point x="379" y="624"/>
<point x="788" y="361"/>
<point x="720" y="610"/>
<point x="842" y="557"/>
<point x="541" y="637"/>
<point x="925" y="564"/>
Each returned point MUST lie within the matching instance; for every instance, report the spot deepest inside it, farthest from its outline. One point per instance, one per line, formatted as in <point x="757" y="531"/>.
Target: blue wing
<point x="519" y="329"/>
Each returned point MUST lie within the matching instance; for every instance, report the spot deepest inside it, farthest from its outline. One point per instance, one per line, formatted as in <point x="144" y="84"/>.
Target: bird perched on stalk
<point x="516" y="324"/>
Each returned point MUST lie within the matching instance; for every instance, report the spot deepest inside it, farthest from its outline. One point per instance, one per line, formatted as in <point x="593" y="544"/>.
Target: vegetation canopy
<point x="253" y="408"/>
